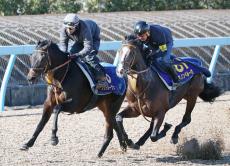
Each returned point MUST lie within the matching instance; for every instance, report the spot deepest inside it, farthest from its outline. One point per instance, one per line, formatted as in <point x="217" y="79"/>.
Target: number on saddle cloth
<point x="186" y="68"/>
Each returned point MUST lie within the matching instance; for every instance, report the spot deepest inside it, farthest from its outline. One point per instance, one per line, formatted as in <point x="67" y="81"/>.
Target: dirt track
<point x="80" y="137"/>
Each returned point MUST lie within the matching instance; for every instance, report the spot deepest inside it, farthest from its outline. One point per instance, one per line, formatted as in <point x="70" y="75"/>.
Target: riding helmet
<point x="71" y="20"/>
<point x="141" y="27"/>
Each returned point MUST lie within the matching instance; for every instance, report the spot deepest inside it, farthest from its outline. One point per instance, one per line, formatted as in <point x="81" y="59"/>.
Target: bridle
<point x="48" y="63"/>
<point x="130" y="72"/>
<point x="48" y="73"/>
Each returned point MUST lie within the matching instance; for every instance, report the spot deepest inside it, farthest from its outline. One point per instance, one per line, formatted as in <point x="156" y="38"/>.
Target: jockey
<point x="158" y="42"/>
<point x="86" y="37"/>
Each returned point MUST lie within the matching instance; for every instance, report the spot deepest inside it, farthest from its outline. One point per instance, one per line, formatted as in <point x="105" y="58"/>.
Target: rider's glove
<point x="74" y="56"/>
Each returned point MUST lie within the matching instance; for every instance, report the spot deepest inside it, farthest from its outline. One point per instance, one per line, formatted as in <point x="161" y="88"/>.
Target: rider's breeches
<point x="90" y="59"/>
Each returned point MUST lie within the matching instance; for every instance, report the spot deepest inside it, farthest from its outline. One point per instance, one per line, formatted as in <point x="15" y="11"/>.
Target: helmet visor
<point x="70" y="24"/>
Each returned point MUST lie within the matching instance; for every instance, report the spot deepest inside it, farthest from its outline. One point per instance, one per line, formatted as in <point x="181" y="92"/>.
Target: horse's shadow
<point x="176" y="159"/>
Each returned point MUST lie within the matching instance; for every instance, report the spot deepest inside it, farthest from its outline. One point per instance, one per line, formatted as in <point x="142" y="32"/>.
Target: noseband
<point x="48" y="62"/>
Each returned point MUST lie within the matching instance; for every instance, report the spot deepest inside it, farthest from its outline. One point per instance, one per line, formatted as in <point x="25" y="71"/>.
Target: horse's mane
<point x="132" y="40"/>
<point x="44" y="44"/>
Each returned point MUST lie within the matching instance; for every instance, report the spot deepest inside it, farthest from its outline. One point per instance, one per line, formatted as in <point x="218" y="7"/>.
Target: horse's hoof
<point x="153" y="139"/>
<point x="135" y="147"/>
<point x="123" y="147"/>
<point x="24" y="147"/>
<point x="54" y="141"/>
<point x="174" y="141"/>
<point x="167" y="126"/>
<point x="132" y="145"/>
<point x="99" y="155"/>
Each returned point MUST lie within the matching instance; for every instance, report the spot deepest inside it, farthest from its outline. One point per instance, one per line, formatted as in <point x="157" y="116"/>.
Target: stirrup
<point x="176" y="84"/>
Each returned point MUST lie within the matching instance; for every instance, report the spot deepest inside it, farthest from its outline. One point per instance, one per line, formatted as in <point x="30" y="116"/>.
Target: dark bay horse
<point x="67" y="81"/>
<point x="147" y="95"/>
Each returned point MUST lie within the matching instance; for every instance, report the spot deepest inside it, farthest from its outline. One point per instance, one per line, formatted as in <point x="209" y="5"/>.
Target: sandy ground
<point x="81" y="135"/>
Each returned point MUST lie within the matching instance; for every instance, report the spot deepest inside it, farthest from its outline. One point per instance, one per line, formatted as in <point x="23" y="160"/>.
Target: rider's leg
<point x="169" y="63"/>
<point x="100" y="76"/>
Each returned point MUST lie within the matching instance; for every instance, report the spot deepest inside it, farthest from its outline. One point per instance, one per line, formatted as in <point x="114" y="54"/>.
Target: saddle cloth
<point x="186" y="68"/>
<point x="116" y="84"/>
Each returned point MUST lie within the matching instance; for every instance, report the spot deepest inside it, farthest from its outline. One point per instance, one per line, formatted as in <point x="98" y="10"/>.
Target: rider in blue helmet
<point x="159" y="41"/>
<point x="86" y="37"/>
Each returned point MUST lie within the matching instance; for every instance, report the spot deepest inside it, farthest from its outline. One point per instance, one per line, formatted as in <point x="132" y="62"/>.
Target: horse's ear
<point x="130" y="37"/>
<point x="49" y="42"/>
<point x="39" y="42"/>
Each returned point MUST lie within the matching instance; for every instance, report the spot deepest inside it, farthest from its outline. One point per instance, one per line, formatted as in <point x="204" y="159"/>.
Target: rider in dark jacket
<point x="86" y="37"/>
<point x="158" y="42"/>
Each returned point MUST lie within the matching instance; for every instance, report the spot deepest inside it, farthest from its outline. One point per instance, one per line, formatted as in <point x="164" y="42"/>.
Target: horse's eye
<point x="43" y="54"/>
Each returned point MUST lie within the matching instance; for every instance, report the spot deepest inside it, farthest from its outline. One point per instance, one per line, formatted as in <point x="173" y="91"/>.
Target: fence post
<point x="213" y="62"/>
<point x="5" y="80"/>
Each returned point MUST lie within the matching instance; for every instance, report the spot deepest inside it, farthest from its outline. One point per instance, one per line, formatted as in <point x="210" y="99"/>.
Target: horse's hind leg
<point x="185" y="121"/>
<point x="54" y="138"/>
<point x="126" y="113"/>
<point x="47" y="111"/>
<point x="108" y="133"/>
<point x="147" y="134"/>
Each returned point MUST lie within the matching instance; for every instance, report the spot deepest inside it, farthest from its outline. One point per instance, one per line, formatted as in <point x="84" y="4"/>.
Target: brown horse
<point x="147" y="95"/>
<point x="66" y="81"/>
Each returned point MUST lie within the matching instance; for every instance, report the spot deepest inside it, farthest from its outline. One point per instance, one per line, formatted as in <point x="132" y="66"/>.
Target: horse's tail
<point x="210" y="92"/>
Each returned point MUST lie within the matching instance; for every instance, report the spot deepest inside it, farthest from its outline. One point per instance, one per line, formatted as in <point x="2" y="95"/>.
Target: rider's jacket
<point x="86" y="36"/>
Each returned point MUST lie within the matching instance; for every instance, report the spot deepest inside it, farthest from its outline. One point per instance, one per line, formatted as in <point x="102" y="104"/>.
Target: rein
<point x="138" y="96"/>
<point x="49" y="74"/>
<point x="55" y="83"/>
<point x="131" y="70"/>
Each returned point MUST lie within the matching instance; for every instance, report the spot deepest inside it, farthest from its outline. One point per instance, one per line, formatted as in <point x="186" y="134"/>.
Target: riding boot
<point x="173" y="72"/>
<point x="99" y="72"/>
<point x="100" y="77"/>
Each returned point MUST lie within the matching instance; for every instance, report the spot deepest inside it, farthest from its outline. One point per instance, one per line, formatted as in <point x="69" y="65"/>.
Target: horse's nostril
<point x="31" y="75"/>
<point x="121" y="71"/>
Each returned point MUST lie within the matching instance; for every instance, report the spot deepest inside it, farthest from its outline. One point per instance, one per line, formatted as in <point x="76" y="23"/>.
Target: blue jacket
<point x="87" y="36"/>
<point x="160" y="40"/>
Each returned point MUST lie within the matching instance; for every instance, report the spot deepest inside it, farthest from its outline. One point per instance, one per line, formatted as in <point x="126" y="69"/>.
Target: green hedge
<point x="14" y="7"/>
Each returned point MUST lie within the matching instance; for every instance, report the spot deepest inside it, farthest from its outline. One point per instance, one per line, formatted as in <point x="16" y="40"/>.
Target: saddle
<point x="116" y="84"/>
<point x="185" y="67"/>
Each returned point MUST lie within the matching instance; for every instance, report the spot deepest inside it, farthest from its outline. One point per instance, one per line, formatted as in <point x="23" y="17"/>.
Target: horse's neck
<point x="58" y="59"/>
<point x="139" y="82"/>
<point x="141" y="66"/>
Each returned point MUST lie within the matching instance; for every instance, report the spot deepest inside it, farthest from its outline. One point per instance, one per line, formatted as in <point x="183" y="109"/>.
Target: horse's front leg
<point x="54" y="138"/>
<point x="157" y="122"/>
<point x="126" y="113"/>
<point x="47" y="111"/>
<point x="147" y="134"/>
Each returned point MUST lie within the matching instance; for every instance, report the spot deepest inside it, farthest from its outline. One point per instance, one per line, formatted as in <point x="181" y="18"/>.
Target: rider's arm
<point x="96" y="40"/>
<point x="64" y="39"/>
<point x="87" y="42"/>
<point x="161" y="39"/>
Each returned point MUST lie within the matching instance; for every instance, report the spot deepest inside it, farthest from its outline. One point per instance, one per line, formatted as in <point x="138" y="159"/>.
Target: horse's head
<point x="130" y="58"/>
<point x="40" y="60"/>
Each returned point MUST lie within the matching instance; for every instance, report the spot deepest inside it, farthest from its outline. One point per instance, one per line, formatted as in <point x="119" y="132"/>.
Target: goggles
<point x="70" y="24"/>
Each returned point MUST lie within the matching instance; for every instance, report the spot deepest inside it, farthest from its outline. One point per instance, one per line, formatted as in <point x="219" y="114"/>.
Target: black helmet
<point x="141" y="27"/>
